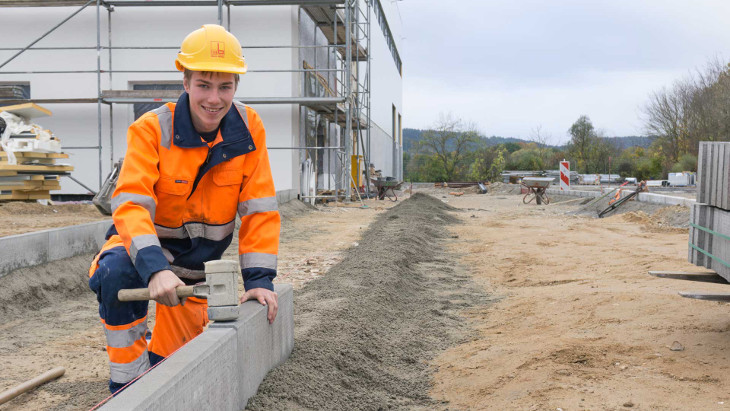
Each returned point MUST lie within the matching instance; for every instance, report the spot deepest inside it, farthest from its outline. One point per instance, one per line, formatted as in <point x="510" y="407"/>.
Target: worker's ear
<point x="186" y="84"/>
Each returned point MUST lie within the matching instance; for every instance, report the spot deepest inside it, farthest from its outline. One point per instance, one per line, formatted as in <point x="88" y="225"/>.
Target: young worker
<point x="190" y="167"/>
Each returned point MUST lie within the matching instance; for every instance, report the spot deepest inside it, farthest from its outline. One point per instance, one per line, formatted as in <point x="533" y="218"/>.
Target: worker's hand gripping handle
<point x="142" y="294"/>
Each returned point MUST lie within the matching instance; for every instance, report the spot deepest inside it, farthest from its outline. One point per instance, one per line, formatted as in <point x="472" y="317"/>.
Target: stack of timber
<point x="33" y="177"/>
<point x="34" y="172"/>
<point x="709" y="233"/>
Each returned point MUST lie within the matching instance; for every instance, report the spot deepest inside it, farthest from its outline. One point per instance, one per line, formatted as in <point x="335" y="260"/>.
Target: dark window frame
<point x="140" y="108"/>
<point x="383" y="22"/>
<point x="22" y="86"/>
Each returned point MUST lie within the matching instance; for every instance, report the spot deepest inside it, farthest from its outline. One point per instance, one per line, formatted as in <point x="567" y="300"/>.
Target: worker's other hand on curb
<point x="265" y="297"/>
<point x="162" y="287"/>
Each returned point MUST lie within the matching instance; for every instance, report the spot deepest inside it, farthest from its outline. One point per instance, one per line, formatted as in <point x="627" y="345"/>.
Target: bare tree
<point x="541" y="140"/>
<point x="449" y="139"/>
<point x="694" y="109"/>
<point x="667" y="116"/>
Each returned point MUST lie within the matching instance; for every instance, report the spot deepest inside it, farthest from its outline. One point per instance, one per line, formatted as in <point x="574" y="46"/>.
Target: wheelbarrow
<point x="386" y="188"/>
<point x="536" y="189"/>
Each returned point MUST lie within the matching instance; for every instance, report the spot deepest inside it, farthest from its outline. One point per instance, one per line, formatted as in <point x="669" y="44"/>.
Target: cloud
<point x="612" y="101"/>
<point x="505" y="63"/>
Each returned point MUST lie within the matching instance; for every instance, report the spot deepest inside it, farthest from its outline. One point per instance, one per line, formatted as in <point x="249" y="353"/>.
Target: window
<point x="15" y="91"/>
<point x="400" y="131"/>
<point x="141" y="108"/>
<point x="394" y="133"/>
<point x="380" y="16"/>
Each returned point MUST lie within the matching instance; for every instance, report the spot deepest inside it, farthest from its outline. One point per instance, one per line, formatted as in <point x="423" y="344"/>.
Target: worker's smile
<point x="212" y="110"/>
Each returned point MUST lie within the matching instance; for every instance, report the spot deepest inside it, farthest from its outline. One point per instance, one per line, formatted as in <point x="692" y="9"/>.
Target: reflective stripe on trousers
<point x="125" y="324"/>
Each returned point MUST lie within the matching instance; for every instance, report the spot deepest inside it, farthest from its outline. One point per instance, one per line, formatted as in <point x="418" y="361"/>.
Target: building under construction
<point x="325" y="76"/>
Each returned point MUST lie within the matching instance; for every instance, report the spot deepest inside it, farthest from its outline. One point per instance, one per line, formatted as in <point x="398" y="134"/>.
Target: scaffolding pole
<point x="348" y="95"/>
<point x="352" y="103"/>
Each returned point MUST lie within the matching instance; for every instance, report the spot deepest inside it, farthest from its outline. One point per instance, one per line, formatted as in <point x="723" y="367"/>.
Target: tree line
<point x="675" y="120"/>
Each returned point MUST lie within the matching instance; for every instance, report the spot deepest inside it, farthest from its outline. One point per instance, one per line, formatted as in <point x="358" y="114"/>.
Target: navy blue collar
<point x="232" y="129"/>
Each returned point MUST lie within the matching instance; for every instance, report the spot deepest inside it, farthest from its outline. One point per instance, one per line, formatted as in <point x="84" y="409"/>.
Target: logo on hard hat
<point x="217" y="49"/>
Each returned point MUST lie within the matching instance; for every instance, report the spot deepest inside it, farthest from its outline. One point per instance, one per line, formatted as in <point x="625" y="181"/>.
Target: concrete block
<point x="713" y="168"/>
<point x="645" y="197"/>
<point x="201" y="375"/>
<point x="75" y="240"/>
<point x="253" y="332"/>
<point x="40" y="247"/>
<point x="717" y="220"/>
<point x="663" y="199"/>
<point x="24" y="250"/>
<point x="284" y="196"/>
<point x="221" y="368"/>
<point x="702" y="172"/>
<point x="690" y="250"/>
<point x="573" y="193"/>
<point x="699" y="216"/>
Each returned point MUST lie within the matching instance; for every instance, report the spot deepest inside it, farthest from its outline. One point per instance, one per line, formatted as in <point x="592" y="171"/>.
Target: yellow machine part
<point x="357" y="166"/>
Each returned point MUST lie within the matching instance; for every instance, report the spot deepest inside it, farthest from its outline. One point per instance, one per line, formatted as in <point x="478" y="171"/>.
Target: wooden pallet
<point x="33" y="177"/>
<point x="32" y="154"/>
<point x="27" y="195"/>
<point x="31" y="185"/>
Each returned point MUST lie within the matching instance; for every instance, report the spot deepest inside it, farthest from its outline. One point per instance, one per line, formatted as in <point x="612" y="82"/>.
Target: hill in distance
<point x="411" y="136"/>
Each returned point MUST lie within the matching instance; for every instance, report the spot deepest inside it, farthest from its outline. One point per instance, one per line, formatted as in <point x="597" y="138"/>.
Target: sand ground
<point x="577" y="322"/>
<point x="571" y="321"/>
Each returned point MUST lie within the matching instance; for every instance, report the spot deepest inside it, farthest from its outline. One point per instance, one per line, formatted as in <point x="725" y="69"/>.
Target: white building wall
<point x="386" y="92"/>
<point x="76" y="124"/>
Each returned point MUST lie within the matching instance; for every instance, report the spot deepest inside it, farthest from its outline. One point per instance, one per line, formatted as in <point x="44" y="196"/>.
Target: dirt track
<point x="552" y="309"/>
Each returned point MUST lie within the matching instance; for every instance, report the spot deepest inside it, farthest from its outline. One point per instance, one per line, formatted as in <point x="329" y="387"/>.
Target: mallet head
<point x="221" y="287"/>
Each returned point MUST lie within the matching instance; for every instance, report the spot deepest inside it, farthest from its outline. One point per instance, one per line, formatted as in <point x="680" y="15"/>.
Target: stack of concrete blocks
<point x="712" y="210"/>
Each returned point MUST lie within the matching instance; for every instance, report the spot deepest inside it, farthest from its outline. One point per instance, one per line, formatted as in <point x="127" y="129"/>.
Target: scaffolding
<point x="344" y="23"/>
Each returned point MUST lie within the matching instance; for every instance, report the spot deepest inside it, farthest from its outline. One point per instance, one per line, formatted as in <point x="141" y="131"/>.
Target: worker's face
<point x="211" y="96"/>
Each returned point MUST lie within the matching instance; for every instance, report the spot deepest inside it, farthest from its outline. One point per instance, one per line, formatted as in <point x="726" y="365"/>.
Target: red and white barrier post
<point x="564" y="175"/>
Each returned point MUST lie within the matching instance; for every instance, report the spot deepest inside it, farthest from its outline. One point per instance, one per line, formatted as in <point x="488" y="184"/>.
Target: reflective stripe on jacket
<point x="176" y="198"/>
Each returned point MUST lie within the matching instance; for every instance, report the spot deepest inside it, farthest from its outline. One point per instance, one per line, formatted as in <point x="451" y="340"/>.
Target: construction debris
<point x="28" y="154"/>
<point x="620" y="199"/>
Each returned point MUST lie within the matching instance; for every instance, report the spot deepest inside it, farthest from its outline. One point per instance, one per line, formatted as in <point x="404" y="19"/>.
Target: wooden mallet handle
<point x="8" y="395"/>
<point x="142" y="294"/>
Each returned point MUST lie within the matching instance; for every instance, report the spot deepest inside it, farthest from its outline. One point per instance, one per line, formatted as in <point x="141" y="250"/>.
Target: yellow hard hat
<point x="211" y="48"/>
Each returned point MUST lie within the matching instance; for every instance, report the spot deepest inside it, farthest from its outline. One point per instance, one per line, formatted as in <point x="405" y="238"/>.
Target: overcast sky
<point x="512" y="65"/>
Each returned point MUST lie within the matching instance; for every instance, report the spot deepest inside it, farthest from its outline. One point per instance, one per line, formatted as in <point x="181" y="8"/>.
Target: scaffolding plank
<point x="153" y="94"/>
<point x="32" y="154"/>
<point x="41" y="3"/>
<point x="139" y="3"/>
<point x="27" y="110"/>
<point x="53" y="100"/>
<point x="324" y="18"/>
<point x="150" y="96"/>
<point x="23" y="154"/>
<point x="48" y="169"/>
<point x="31" y="185"/>
<point x="25" y="195"/>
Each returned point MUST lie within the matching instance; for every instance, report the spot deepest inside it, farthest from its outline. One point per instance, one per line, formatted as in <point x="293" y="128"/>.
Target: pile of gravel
<point x="365" y="332"/>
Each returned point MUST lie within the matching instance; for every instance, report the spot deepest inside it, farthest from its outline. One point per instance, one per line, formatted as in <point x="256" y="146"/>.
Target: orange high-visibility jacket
<point x="176" y="198"/>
